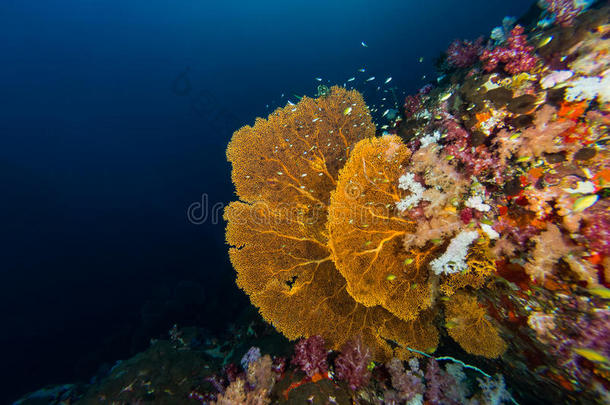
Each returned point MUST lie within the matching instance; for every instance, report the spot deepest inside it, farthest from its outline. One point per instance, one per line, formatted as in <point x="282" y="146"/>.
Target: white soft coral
<point x="454" y="258"/>
<point x="407" y="182"/>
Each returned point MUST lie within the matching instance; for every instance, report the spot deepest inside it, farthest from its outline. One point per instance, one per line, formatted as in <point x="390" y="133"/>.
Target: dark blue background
<point x="114" y="117"/>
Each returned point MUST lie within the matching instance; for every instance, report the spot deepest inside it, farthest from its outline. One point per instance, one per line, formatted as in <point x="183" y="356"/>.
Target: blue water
<point x="114" y="117"/>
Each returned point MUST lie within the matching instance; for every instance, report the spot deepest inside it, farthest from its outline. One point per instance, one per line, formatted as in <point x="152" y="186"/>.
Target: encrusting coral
<point x="284" y="169"/>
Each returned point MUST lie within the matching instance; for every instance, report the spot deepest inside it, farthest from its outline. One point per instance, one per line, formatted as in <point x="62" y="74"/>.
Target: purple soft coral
<point x="412" y="104"/>
<point x="408" y="384"/>
<point x="464" y="53"/>
<point x="458" y="145"/>
<point x="310" y="355"/>
<point x="352" y="364"/>
<point x="565" y="11"/>
<point x="441" y="387"/>
<point x="517" y="57"/>
<point x="597" y="231"/>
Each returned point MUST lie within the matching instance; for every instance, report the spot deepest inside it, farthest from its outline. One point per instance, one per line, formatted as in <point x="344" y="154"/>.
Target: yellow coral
<point x="480" y="266"/>
<point x="366" y="233"/>
<point x="284" y="169"/>
<point x="468" y="325"/>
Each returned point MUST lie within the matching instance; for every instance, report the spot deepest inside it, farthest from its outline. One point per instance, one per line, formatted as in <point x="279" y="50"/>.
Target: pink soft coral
<point x="464" y="53"/>
<point x="310" y="355"/>
<point x="565" y="11"/>
<point x="352" y="364"/>
<point x="517" y="57"/>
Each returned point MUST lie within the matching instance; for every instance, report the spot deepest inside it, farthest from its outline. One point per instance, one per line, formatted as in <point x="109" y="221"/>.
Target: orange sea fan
<point x="480" y="267"/>
<point x="294" y="156"/>
<point x="284" y="169"/>
<point x="468" y="325"/>
<point x="366" y="232"/>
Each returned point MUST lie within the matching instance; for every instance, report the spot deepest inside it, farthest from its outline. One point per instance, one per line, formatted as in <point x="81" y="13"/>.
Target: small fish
<point x="363" y="44"/>
<point x="424" y="77"/>
<point x="445" y="96"/>
<point x="351" y="79"/>
<point x="298" y="97"/>
<point x="421" y="59"/>
<point x="523" y="159"/>
<point x="388" y="80"/>
<point x="600" y="292"/>
<point x="591" y="355"/>
<point x="585" y="202"/>
<point x="347" y="111"/>
<point x="391" y="277"/>
<point x="385" y="112"/>
<point x="290" y="102"/>
<point x="319" y="79"/>
<point x="450" y="324"/>
<point x="370" y="79"/>
<point x="362" y="70"/>
<point x="444" y="298"/>
<point x="545" y="41"/>
<point x="451" y="208"/>
<point x="408" y="261"/>
<point x="315" y="119"/>
<point x="385" y="127"/>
